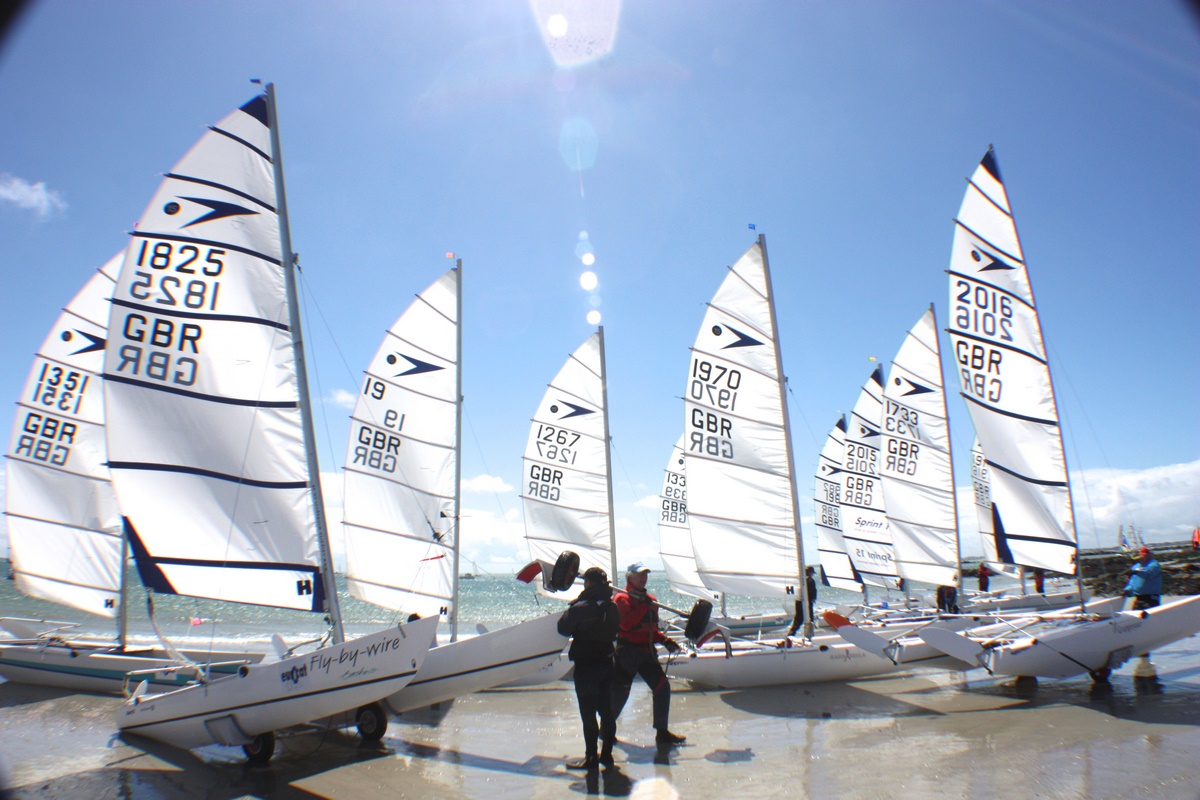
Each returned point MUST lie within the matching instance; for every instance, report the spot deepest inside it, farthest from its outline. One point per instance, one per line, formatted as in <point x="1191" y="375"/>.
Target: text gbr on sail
<point x="160" y="347"/>
<point x="980" y="366"/>
<point x="711" y="434"/>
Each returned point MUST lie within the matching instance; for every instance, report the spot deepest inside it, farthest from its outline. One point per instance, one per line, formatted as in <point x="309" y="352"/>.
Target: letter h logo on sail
<point x="304" y="586"/>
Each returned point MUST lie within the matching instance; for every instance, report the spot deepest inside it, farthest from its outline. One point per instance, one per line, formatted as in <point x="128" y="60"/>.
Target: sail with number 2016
<point x="210" y="442"/>
<point x="1001" y="357"/>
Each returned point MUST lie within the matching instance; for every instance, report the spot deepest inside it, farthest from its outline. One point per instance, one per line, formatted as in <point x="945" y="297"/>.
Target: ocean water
<point x="490" y="600"/>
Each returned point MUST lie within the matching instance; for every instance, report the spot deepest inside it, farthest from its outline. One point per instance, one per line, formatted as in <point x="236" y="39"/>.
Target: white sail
<point x="741" y="494"/>
<point x="565" y="488"/>
<point x="674" y="534"/>
<point x="827" y="499"/>
<point x="401" y="498"/>
<point x="64" y="527"/>
<point x="915" y="463"/>
<point x="1005" y="378"/>
<point x="205" y="433"/>
<point x="864" y="519"/>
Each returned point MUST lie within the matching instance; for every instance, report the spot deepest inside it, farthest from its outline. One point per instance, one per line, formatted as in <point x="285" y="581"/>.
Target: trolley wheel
<point x="260" y="750"/>
<point x="372" y="722"/>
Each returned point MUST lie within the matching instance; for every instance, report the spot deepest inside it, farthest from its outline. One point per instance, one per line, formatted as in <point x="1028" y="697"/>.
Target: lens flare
<point x="593" y="318"/>
<point x="589" y="281"/>
<point x="588" y="259"/>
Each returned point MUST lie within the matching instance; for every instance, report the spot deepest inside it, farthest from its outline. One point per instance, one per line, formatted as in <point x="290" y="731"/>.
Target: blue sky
<point x="843" y="131"/>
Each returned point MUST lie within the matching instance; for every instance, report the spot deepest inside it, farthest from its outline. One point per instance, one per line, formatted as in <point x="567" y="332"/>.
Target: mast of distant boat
<point x="787" y="436"/>
<point x="310" y="450"/>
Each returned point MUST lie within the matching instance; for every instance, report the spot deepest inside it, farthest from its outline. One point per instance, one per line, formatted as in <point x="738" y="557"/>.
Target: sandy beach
<point x="921" y="734"/>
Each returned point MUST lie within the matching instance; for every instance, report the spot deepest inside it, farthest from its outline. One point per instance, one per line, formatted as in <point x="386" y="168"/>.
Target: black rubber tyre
<point x="261" y="749"/>
<point x="566" y="568"/>
<point x="698" y="620"/>
<point x="372" y="722"/>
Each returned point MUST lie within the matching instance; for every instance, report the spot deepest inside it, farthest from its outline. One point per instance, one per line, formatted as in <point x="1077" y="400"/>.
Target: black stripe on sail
<point x="231" y="401"/>
<point x="997" y="344"/>
<point x="1001" y="411"/>
<point x="154" y="578"/>
<point x="171" y="312"/>
<point x="1026" y="479"/>
<point x="241" y="141"/>
<point x="170" y="237"/>
<point x="222" y="187"/>
<point x="1002" y="550"/>
<point x="206" y="473"/>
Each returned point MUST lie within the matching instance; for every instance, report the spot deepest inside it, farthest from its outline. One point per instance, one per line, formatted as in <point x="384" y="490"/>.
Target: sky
<point x="653" y="135"/>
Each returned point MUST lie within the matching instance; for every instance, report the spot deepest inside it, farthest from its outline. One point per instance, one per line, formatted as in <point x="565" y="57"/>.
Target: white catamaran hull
<point x="482" y="662"/>
<point x="826" y="658"/>
<point x="267" y="697"/>
<point x="999" y="603"/>
<point x="1079" y="647"/>
<point x="94" y="667"/>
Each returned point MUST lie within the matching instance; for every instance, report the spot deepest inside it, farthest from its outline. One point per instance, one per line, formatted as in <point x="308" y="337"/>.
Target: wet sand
<point x="916" y="735"/>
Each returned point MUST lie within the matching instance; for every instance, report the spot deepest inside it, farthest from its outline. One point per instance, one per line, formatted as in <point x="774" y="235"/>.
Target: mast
<point x="787" y="435"/>
<point x="458" y="409"/>
<point x="612" y="530"/>
<point x="122" y="611"/>
<point x="1037" y="318"/>
<point x="310" y="450"/>
<point x="950" y="456"/>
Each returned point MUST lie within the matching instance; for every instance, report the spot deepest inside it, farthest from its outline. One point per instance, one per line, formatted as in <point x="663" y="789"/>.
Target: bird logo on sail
<point x="94" y="343"/>
<point x="418" y="366"/>
<point x="994" y="262"/>
<point x="743" y="340"/>
<point x="217" y="209"/>
<point x="575" y="411"/>
<point x="913" y="388"/>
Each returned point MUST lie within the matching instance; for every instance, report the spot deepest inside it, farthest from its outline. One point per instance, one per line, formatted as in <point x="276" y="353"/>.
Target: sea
<point x="488" y="601"/>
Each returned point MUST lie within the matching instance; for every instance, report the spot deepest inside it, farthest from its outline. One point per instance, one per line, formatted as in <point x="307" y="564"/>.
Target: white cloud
<point x="342" y="399"/>
<point x="486" y="484"/>
<point x="33" y="197"/>
<point x="649" y="501"/>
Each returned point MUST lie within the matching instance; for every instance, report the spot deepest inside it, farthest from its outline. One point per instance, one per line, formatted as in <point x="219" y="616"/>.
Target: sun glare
<point x="588" y="281"/>
<point x="593" y="318"/>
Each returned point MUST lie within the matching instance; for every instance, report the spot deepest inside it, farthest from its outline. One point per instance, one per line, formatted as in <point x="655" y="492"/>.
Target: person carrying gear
<point x="636" y="637"/>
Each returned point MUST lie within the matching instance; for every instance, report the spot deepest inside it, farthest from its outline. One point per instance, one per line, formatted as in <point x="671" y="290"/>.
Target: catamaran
<point x="1005" y="377"/>
<point x="66" y="543"/>
<point x="402" y="494"/>
<point x="742" y="499"/>
<point x="210" y="441"/>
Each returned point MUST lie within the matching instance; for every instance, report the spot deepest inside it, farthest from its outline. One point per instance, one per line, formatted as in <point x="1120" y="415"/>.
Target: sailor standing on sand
<point x="636" y="638"/>
<point x="591" y="621"/>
